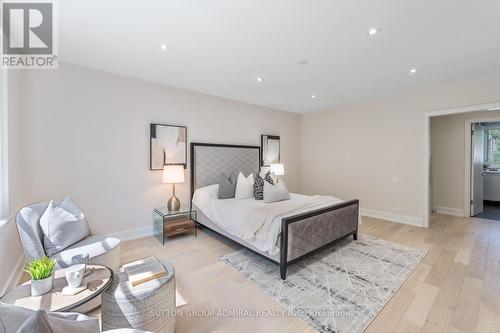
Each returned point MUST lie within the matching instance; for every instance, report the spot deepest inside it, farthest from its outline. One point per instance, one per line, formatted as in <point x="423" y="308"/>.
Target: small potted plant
<point x="41" y="275"/>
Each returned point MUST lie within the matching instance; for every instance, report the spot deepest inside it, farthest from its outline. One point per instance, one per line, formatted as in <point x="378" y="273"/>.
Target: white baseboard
<point x="449" y="211"/>
<point x="377" y="214"/>
<point x="14" y="276"/>
<point x="133" y="233"/>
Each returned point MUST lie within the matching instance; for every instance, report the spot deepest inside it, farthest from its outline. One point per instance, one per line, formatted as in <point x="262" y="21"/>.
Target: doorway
<point x="460" y="168"/>
<point x="485" y="170"/>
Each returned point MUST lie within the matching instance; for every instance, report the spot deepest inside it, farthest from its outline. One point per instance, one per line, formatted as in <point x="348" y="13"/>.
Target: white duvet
<point x="256" y="222"/>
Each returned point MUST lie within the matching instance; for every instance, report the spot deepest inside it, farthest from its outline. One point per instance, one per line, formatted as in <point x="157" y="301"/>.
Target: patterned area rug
<point x="340" y="289"/>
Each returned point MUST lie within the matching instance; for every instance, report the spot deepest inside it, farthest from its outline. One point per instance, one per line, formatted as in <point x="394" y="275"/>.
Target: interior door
<point x="477" y="169"/>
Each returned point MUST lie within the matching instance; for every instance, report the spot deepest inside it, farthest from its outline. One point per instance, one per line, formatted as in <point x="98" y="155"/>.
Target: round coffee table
<point x="97" y="280"/>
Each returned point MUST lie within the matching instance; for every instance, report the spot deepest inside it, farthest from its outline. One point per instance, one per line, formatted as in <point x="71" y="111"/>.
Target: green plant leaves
<point x="40" y="269"/>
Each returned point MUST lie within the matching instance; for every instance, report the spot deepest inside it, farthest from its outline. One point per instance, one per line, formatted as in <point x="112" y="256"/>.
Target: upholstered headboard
<point x="209" y="160"/>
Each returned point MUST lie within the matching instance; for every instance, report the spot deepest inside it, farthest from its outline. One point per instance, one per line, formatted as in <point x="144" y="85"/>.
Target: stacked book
<point x="144" y="270"/>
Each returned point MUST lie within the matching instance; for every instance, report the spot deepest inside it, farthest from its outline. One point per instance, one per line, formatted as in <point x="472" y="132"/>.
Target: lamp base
<point x="173" y="204"/>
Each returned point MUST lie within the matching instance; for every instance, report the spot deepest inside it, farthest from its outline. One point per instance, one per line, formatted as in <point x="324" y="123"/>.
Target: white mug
<point x="80" y="259"/>
<point x="74" y="275"/>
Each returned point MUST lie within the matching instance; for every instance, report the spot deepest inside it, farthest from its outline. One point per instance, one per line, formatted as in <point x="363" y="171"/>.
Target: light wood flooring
<point x="455" y="289"/>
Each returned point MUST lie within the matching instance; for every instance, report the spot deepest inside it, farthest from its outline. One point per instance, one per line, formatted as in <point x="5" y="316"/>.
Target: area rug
<point x="339" y="289"/>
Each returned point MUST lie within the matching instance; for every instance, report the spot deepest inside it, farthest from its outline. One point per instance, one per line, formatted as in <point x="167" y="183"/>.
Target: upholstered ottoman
<point x="149" y="306"/>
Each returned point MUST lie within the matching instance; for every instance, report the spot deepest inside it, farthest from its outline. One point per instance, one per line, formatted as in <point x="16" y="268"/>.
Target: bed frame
<point x="301" y="234"/>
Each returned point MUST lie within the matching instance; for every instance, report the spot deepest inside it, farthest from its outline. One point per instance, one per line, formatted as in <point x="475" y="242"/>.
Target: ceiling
<point x="221" y="47"/>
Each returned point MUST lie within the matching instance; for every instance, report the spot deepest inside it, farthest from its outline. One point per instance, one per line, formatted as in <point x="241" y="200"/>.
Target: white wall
<point x="85" y="134"/>
<point x="448" y="159"/>
<point x="11" y="253"/>
<point x="374" y="151"/>
<point x="15" y="133"/>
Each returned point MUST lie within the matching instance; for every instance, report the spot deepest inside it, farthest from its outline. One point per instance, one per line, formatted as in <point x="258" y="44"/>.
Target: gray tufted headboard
<point x="209" y="160"/>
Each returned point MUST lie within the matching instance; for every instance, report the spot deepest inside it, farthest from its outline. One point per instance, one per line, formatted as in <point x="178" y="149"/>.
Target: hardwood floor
<point x="455" y="289"/>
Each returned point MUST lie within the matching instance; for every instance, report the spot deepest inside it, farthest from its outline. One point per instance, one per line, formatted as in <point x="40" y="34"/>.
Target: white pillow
<point x="275" y="193"/>
<point x="244" y="187"/>
<point x="209" y="192"/>
<point x="62" y="225"/>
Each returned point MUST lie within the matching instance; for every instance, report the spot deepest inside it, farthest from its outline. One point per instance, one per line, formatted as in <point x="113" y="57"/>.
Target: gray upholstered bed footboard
<point x="305" y="233"/>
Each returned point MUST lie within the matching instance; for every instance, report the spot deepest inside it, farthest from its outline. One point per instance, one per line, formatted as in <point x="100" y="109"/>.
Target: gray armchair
<point x="102" y="250"/>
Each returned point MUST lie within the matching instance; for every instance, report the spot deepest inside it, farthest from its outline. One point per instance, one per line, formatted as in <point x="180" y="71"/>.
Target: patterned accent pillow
<point x="258" y="185"/>
<point x="268" y="178"/>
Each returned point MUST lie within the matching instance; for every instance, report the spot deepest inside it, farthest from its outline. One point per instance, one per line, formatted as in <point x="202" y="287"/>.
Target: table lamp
<point x="278" y="169"/>
<point x="173" y="174"/>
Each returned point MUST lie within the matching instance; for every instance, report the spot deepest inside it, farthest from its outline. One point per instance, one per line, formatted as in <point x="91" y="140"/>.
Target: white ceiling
<point x="220" y="47"/>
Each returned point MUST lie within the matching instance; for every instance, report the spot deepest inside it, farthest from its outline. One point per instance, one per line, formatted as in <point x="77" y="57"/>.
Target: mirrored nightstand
<point x="168" y="224"/>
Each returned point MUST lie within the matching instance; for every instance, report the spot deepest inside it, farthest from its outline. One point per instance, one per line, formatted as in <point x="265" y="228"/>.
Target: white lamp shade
<point x="173" y="174"/>
<point x="278" y="169"/>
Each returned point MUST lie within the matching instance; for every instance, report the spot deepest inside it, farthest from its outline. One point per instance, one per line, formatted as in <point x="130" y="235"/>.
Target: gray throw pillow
<point x="40" y="322"/>
<point x="227" y="186"/>
<point x="62" y="226"/>
<point x="36" y="323"/>
<point x="12" y="317"/>
<point x="275" y="193"/>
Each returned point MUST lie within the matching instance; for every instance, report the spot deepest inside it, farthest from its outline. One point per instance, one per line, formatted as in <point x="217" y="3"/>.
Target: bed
<point x="294" y="229"/>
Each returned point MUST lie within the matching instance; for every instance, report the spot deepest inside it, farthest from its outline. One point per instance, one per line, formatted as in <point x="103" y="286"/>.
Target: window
<point x="493" y="146"/>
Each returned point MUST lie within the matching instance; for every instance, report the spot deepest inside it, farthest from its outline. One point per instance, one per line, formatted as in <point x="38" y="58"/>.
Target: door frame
<point x="426" y="168"/>
<point x="468" y="160"/>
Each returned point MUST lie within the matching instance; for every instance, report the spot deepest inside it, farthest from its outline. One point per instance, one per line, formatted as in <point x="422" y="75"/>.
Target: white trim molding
<point x="133" y="233"/>
<point x="377" y="214"/>
<point x="449" y="211"/>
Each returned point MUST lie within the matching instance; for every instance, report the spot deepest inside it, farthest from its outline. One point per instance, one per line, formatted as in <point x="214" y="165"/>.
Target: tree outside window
<point x="493" y="148"/>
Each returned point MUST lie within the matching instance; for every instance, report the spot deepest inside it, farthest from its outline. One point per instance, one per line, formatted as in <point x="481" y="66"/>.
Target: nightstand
<point x="169" y="224"/>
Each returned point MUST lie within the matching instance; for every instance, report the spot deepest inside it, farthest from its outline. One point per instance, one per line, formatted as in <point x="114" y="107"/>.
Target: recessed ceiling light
<point x="413" y="70"/>
<point x="163" y="46"/>
<point x="303" y="62"/>
<point x="313" y="96"/>
<point x="260" y="79"/>
<point x="374" y="31"/>
<point x="494" y="109"/>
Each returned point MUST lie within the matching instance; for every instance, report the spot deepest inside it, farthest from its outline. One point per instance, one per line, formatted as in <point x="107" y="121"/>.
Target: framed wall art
<point x="168" y="145"/>
<point x="269" y="149"/>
